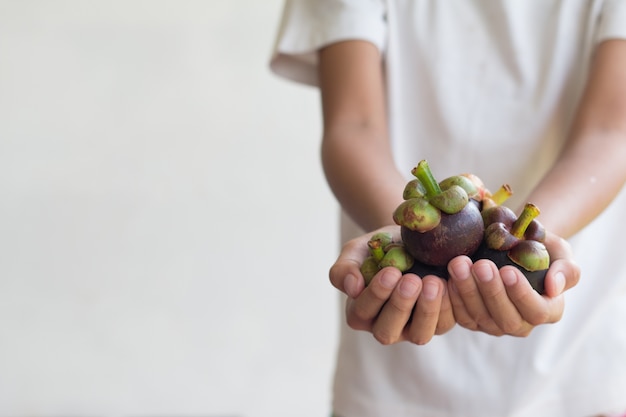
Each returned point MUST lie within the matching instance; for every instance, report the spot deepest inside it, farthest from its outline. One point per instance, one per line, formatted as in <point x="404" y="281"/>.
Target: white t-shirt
<point x="488" y="87"/>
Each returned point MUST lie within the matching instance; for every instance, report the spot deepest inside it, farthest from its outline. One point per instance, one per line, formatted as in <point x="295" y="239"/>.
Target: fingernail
<point x="350" y="284"/>
<point x="430" y="290"/>
<point x="483" y="272"/>
<point x="389" y="279"/>
<point x="508" y="277"/>
<point x="408" y="288"/>
<point x="559" y="280"/>
<point x="460" y="270"/>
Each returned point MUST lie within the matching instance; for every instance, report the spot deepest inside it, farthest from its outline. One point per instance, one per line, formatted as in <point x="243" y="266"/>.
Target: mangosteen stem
<point x="376" y="249"/>
<point x="423" y="173"/>
<point x="502" y="194"/>
<point x="525" y="218"/>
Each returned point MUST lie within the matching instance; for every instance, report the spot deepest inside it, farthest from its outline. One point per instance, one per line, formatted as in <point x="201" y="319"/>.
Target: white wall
<point x="165" y="227"/>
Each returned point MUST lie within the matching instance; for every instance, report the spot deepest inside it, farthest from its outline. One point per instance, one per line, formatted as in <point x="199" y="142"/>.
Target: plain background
<point x="165" y="226"/>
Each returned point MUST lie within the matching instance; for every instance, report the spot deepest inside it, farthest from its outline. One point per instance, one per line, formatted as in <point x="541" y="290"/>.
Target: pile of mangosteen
<point x="459" y="216"/>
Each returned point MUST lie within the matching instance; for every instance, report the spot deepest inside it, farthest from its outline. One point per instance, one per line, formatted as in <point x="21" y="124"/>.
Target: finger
<point x="558" y="247"/>
<point x="446" y="315"/>
<point x="390" y="323"/>
<point x="502" y="310"/>
<point x="462" y="276"/>
<point x="564" y="273"/>
<point x="533" y="307"/>
<point x="361" y="312"/>
<point x="426" y="313"/>
<point x="459" y="269"/>
<point x="345" y="274"/>
<point x="461" y="315"/>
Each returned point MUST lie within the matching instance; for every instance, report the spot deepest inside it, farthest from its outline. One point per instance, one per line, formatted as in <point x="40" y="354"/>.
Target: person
<point x="530" y="93"/>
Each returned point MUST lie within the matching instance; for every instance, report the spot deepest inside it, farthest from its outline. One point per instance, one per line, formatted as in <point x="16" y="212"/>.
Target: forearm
<point x="582" y="183"/>
<point x="591" y="170"/>
<point x="356" y="153"/>
<point x="361" y="173"/>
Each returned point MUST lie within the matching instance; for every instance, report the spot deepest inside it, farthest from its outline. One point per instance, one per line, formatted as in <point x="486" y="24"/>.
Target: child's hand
<point x="393" y="307"/>
<point x="500" y="302"/>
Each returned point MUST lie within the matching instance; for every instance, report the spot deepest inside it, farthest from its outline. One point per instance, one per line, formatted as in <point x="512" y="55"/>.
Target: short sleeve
<point x="308" y="25"/>
<point x="612" y="24"/>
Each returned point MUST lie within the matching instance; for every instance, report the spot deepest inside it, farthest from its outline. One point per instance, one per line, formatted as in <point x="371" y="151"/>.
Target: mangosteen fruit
<point x="439" y="221"/>
<point x="384" y="252"/>
<point x="516" y="241"/>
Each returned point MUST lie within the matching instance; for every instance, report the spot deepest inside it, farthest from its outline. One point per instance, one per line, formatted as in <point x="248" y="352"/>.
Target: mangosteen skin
<point x="457" y="234"/>
<point x="500" y="258"/>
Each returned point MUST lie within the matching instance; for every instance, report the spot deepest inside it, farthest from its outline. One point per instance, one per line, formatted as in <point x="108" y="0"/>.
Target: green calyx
<point x="530" y="255"/>
<point x="425" y="199"/>
<point x="515" y="238"/>
<point x="462" y="181"/>
<point x="384" y="252"/>
<point x="414" y="189"/>
<point x="451" y="200"/>
<point x="417" y="214"/>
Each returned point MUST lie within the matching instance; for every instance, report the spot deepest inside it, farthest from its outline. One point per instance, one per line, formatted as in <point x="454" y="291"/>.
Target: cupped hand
<point x="393" y="307"/>
<point x="502" y="302"/>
